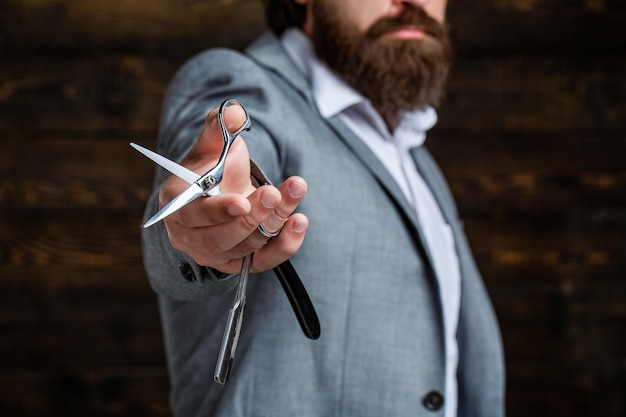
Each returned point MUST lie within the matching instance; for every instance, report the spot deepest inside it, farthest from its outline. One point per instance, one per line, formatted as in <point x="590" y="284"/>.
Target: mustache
<point x="415" y="17"/>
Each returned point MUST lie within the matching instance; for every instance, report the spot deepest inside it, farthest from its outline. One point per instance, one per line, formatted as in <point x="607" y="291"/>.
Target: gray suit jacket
<point x="364" y="263"/>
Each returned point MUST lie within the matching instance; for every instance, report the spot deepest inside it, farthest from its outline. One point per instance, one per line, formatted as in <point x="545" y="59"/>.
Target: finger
<point x="283" y="246"/>
<point x="210" y="140"/>
<point x="206" y="152"/>
<point x="200" y="245"/>
<point x="240" y="234"/>
<point x="292" y="192"/>
<point x="233" y="238"/>
<point x="275" y="252"/>
<point x="270" y="210"/>
<point x="216" y="210"/>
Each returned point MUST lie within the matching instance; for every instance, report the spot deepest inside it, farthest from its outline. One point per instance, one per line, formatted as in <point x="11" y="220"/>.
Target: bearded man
<point x="340" y="94"/>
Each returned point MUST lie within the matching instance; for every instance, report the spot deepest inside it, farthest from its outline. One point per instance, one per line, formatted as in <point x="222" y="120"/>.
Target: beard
<point x="394" y="74"/>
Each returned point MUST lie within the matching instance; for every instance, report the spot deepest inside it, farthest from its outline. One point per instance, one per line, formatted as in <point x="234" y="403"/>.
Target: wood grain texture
<point x="141" y="25"/>
<point x="532" y="138"/>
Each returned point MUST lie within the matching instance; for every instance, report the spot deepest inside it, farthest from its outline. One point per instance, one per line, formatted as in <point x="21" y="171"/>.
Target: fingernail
<point x="269" y="200"/>
<point x="296" y="190"/>
<point x="300" y="226"/>
<point x="236" y="209"/>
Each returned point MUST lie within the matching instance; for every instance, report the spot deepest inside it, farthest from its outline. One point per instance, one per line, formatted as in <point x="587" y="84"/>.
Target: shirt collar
<point x="333" y="96"/>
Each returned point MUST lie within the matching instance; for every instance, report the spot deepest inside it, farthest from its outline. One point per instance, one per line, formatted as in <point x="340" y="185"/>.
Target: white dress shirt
<point x="335" y="97"/>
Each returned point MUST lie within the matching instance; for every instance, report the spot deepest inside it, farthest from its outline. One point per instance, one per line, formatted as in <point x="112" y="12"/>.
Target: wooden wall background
<point x="532" y="138"/>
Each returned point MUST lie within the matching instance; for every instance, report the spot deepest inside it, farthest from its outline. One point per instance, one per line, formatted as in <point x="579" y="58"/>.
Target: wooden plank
<point x="505" y="25"/>
<point x="71" y="250"/>
<point x="99" y="391"/>
<point x="577" y="27"/>
<point x="83" y="92"/>
<point x="77" y="328"/>
<point x="155" y="26"/>
<point x="57" y="173"/>
<point x="543" y="92"/>
<point x="488" y="175"/>
<point x="571" y="392"/>
<point x="73" y="191"/>
<point x="532" y="171"/>
<point x="98" y="251"/>
<point x="119" y="92"/>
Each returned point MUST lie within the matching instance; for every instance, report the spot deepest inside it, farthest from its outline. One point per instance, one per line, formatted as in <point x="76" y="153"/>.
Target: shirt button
<point x="433" y="401"/>
<point x="187" y="272"/>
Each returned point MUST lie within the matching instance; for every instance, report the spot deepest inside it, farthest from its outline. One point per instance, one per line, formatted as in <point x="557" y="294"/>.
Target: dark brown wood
<point x="561" y="26"/>
<point x="142" y="25"/>
<point x="532" y="137"/>
<point x="481" y="25"/>
<point x="78" y="173"/>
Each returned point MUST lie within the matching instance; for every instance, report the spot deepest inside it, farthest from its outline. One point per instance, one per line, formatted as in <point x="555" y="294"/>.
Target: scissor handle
<point x="211" y="180"/>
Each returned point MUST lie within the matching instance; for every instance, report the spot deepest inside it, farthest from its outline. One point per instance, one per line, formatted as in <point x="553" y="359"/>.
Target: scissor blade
<point x="191" y="193"/>
<point x="180" y="171"/>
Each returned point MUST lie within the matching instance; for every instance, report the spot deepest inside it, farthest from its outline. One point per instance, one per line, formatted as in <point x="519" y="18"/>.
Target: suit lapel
<point x="374" y="166"/>
<point x="436" y="183"/>
<point x="384" y="178"/>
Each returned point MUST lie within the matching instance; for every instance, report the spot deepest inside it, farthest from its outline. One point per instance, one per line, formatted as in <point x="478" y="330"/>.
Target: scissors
<point x="208" y="185"/>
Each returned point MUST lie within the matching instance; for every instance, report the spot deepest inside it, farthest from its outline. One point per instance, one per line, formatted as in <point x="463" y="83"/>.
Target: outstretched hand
<point x="219" y="231"/>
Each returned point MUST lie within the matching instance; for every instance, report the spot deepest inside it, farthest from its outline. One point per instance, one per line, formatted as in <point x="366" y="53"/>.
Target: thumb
<point x="206" y="151"/>
<point x="210" y="142"/>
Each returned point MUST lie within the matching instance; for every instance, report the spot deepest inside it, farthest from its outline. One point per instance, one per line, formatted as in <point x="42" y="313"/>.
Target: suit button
<point x="187" y="272"/>
<point x="433" y="401"/>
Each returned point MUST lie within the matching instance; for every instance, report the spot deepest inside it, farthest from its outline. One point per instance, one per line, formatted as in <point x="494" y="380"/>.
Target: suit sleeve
<point x="199" y="86"/>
